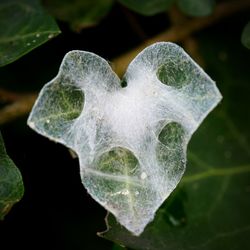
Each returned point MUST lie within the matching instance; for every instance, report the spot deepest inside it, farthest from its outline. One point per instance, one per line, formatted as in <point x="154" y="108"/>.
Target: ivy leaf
<point x="118" y="247"/>
<point x="210" y="208"/>
<point x="197" y="7"/>
<point x="11" y="185"/>
<point x="23" y="26"/>
<point x="131" y="141"/>
<point x="245" y="38"/>
<point x="147" y="7"/>
<point x="79" y="14"/>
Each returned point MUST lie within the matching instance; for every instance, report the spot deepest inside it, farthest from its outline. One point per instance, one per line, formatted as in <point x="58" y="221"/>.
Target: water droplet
<point x="50" y="36"/>
<point x="37" y="35"/>
<point x="34" y="41"/>
<point x="143" y="176"/>
<point x="28" y="44"/>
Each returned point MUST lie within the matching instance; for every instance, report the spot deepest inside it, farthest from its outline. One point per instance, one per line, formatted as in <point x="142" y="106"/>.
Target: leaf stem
<point x="21" y="106"/>
<point x="216" y="172"/>
<point x="179" y="32"/>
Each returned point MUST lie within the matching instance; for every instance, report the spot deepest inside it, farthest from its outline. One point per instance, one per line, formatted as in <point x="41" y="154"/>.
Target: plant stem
<point x="18" y="108"/>
<point x="178" y="32"/>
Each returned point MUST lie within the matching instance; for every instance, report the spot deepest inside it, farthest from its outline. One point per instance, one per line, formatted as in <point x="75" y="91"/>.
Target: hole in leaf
<point x="173" y="74"/>
<point x="170" y="152"/>
<point x="118" y="161"/>
<point x="60" y="106"/>
<point x="68" y="102"/>
<point x="124" y="83"/>
<point x="172" y="135"/>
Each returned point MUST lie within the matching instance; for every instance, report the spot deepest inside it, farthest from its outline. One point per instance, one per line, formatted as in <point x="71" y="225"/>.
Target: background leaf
<point x="197" y="7"/>
<point x="23" y="26"/>
<point x="210" y="208"/>
<point x="147" y="7"/>
<point x="118" y="247"/>
<point x="245" y="38"/>
<point x="79" y="14"/>
<point x="11" y="185"/>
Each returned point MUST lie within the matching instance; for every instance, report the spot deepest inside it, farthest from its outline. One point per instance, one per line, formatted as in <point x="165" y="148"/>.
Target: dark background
<point x="56" y="212"/>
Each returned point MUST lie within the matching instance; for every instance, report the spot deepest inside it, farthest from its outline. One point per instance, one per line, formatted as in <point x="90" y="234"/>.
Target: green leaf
<point x="210" y="208"/>
<point x="79" y="13"/>
<point x="245" y="37"/>
<point x="131" y="141"/>
<point x="118" y="247"/>
<point x="197" y="7"/>
<point x="147" y="7"/>
<point x="11" y="185"/>
<point x="23" y="26"/>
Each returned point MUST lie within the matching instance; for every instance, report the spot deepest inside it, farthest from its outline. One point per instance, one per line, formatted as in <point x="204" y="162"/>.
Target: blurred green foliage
<point x="197" y="7"/>
<point x="79" y="14"/>
<point x="147" y="7"/>
<point x="245" y="38"/>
